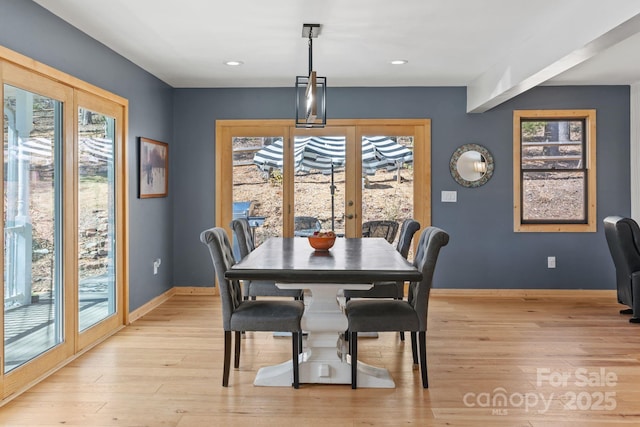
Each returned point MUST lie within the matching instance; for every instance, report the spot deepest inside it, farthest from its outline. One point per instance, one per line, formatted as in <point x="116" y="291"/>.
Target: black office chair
<point x="378" y="228"/>
<point x="241" y="315"/>
<point x="384" y="315"/>
<point x="255" y="288"/>
<point x="623" y="238"/>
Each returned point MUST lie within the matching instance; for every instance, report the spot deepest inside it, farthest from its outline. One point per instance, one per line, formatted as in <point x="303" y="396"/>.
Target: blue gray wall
<point x="484" y="251"/>
<point x="31" y="30"/>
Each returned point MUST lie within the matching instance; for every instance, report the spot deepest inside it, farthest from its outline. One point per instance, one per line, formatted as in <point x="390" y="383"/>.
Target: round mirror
<point x="471" y="165"/>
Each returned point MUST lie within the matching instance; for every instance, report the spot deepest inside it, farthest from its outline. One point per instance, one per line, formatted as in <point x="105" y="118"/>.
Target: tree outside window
<point x="554" y="170"/>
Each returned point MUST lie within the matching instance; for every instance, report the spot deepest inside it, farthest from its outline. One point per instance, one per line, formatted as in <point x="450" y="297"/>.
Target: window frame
<point x="28" y="74"/>
<point x="589" y="155"/>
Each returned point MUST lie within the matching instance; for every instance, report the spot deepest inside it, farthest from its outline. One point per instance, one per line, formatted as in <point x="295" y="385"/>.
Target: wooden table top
<point x="353" y="260"/>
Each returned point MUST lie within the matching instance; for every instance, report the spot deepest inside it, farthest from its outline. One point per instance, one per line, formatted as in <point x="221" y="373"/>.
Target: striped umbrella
<point x="40" y="150"/>
<point x="326" y="154"/>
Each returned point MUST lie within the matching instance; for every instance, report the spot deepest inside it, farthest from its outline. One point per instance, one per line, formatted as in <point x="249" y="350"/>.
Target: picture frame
<point x="153" y="168"/>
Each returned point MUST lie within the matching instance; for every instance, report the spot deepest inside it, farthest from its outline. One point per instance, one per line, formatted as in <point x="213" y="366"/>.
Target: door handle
<point x="350" y="203"/>
<point x="350" y="216"/>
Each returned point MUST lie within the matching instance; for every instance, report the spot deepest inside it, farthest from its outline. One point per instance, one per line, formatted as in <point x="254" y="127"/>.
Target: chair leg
<point x="236" y="358"/>
<point x="227" y="358"/>
<point x="423" y="358"/>
<point x="414" y="348"/>
<point x="353" y="345"/>
<point x="295" y="356"/>
<point x="400" y="298"/>
<point x="300" y="343"/>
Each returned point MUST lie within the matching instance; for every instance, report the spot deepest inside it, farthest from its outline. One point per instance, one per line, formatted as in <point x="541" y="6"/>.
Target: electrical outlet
<point x="156" y="265"/>
<point x="551" y="262"/>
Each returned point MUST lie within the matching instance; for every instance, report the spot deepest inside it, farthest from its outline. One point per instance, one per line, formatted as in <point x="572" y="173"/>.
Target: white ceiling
<point x="497" y="48"/>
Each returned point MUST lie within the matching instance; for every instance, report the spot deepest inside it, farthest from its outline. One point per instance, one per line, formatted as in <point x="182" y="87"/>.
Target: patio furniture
<point x="378" y="228"/>
<point x="304" y="226"/>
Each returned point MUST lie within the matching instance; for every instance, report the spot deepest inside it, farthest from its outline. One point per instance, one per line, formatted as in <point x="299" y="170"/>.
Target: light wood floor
<point x="165" y="370"/>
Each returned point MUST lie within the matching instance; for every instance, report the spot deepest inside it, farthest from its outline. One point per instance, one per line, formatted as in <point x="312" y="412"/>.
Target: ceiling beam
<point x="551" y="52"/>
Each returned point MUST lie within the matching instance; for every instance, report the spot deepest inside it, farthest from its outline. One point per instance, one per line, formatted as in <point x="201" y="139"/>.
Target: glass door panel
<point x="57" y="213"/>
<point x="258" y="184"/>
<point x="96" y="218"/>
<point x="33" y="309"/>
<point x="387" y="180"/>
<point x="318" y="182"/>
<point x="319" y="179"/>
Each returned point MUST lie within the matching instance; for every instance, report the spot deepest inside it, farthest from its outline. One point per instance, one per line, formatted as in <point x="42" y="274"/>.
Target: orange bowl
<point x="321" y="243"/>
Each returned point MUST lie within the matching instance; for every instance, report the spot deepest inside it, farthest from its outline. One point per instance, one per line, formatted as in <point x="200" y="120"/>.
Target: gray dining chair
<point x="390" y="289"/>
<point x="383" y="315"/>
<point x="393" y="290"/>
<point x="255" y="288"/>
<point x="240" y="315"/>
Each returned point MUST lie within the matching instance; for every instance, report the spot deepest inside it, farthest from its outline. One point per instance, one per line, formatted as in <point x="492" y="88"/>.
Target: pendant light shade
<point x="311" y="90"/>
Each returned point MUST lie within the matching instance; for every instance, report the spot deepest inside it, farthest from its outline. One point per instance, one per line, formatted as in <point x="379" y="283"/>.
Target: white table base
<point x="324" y="359"/>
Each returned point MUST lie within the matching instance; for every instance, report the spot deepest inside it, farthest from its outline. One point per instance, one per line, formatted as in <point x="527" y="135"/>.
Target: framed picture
<point x="153" y="168"/>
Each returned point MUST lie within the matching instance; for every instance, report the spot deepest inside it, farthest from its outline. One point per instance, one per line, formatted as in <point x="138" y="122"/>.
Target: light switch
<point x="449" y="196"/>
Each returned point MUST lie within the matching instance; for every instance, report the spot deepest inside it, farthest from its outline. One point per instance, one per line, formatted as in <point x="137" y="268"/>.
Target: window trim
<point x="589" y="116"/>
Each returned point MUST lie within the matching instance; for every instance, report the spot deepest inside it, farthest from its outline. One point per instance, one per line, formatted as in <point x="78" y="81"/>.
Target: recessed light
<point x="399" y="62"/>
<point x="233" y="63"/>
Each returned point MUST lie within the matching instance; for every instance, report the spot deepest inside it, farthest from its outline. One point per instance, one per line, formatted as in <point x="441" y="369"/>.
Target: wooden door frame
<point x="228" y="129"/>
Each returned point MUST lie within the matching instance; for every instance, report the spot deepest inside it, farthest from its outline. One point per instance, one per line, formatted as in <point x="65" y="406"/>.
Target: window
<point x="554" y="170"/>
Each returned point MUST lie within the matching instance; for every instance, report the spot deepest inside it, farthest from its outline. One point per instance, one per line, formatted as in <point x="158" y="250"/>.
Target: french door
<point x="63" y="220"/>
<point x="283" y="198"/>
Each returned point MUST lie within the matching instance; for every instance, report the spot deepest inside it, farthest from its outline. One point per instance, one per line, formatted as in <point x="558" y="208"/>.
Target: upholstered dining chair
<point x="393" y="290"/>
<point x="380" y="228"/>
<point x="384" y="315"/>
<point x="390" y="289"/>
<point x="244" y="315"/>
<point x="252" y="289"/>
<point x="623" y="239"/>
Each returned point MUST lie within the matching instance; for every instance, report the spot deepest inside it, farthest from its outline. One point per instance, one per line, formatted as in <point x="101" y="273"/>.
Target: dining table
<point x="352" y="263"/>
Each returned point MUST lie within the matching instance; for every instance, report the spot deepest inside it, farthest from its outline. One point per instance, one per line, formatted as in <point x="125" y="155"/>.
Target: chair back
<point x="431" y="240"/>
<point x="242" y="231"/>
<point x="623" y="238"/>
<point x="305" y="225"/>
<point x="408" y="229"/>
<point x="380" y="228"/>
<point x="222" y="256"/>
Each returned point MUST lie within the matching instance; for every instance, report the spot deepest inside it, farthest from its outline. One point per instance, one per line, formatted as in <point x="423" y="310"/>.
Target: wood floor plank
<point x="495" y="359"/>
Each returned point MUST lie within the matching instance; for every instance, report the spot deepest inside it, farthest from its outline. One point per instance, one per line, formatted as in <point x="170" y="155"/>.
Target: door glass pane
<point x="96" y="218"/>
<point x="32" y="220"/>
<point x="257" y="185"/>
<point x="387" y="178"/>
<point x="319" y="184"/>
